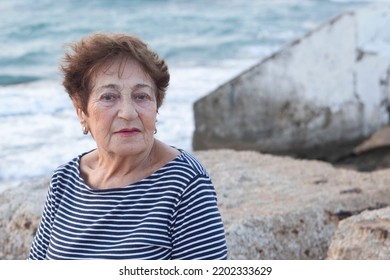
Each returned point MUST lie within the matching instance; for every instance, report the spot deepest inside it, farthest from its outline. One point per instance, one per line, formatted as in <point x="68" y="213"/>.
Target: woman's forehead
<point x="122" y="70"/>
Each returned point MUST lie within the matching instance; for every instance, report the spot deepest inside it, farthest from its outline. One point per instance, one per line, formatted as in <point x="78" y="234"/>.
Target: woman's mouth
<point x="126" y="132"/>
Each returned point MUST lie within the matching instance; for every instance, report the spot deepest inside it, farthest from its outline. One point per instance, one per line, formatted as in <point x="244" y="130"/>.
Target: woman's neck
<point x="102" y="170"/>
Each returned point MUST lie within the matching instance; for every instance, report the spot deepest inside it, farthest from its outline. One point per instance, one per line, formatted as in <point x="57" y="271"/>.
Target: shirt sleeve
<point x="42" y="237"/>
<point x="198" y="231"/>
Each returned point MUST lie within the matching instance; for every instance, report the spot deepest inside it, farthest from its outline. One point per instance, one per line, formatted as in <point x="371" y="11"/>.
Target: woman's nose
<point x="127" y="110"/>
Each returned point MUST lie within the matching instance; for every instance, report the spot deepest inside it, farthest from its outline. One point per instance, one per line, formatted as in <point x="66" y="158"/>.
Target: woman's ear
<point x="83" y="120"/>
<point x="83" y="117"/>
<point x="80" y="113"/>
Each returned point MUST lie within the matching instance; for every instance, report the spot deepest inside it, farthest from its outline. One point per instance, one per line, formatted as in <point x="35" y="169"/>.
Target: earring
<point x="155" y="131"/>
<point x="85" y="130"/>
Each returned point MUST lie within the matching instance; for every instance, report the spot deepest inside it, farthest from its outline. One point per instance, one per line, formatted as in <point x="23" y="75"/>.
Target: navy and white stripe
<point x="171" y="214"/>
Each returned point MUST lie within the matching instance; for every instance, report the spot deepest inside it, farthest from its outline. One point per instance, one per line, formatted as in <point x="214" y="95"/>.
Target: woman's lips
<point x="127" y="131"/>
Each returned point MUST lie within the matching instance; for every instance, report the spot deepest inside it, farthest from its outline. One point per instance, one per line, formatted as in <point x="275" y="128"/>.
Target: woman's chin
<point x="128" y="149"/>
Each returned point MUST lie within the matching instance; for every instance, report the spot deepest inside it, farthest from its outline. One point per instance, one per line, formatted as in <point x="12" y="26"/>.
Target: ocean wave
<point x="7" y="80"/>
<point x="26" y="96"/>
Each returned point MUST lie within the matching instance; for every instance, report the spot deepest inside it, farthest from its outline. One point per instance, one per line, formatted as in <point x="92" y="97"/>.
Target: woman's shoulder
<point x="70" y="169"/>
<point x="187" y="164"/>
<point x="71" y="164"/>
<point x="64" y="176"/>
<point x="178" y="160"/>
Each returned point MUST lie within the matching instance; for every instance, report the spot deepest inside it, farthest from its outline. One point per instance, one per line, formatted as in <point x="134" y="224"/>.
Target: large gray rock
<point x="272" y="207"/>
<point x="318" y="97"/>
<point x="281" y="208"/>
<point x="363" y="237"/>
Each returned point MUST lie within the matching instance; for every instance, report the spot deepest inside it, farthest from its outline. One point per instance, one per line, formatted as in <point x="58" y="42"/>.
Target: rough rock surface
<point x="20" y="210"/>
<point x="282" y="208"/>
<point x="316" y="98"/>
<point x="272" y="207"/>
<point x="363" y="237"/>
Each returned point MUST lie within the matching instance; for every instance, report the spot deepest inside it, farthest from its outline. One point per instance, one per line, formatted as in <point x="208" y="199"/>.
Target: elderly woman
<point x="133" y="197"/>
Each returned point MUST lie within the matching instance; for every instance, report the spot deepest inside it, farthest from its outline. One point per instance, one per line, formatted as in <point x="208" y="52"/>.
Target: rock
<point x="318" y="97"/>
<point x="282" y="208"/>
<point x="371" y="160"/>
<point x="372" y="154"/>
<point x="379" y="139"/>
<point x="273" y="207"/>
<point x="362" y="237"/>
<point x="20" y="209"/>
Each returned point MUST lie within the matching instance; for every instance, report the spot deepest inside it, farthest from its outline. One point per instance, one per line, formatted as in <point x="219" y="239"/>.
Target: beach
<point x="203" y="48"/>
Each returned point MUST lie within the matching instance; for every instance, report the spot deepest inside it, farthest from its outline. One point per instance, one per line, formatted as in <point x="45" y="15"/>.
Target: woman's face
<point x="122" y="109"/>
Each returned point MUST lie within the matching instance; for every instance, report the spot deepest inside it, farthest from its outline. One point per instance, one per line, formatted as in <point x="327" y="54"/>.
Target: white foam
<point x="40" y="129"/>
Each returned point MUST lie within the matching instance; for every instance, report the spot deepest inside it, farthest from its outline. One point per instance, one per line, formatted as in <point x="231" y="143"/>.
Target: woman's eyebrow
<point x="118" y="88"/>
<point x="108" y="86"/>
<point x="139" y="86"/>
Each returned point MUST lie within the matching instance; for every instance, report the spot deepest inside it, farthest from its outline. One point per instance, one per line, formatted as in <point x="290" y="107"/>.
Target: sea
<point x="204" y="42"/>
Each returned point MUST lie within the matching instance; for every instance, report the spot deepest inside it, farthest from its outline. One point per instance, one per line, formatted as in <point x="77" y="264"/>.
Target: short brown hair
<point x="93" y="52"/>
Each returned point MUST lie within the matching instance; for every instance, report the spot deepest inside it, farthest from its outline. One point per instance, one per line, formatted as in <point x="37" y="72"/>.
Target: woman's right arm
<point x="42" y="237"/>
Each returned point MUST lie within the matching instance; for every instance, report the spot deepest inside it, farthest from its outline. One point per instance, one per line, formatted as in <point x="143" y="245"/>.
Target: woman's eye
<point x="142" y="97"/>
<point x="108" y="97"/>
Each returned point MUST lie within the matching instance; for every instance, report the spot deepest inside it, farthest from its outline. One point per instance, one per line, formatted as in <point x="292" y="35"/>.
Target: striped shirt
<point x="172" y="214"/>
